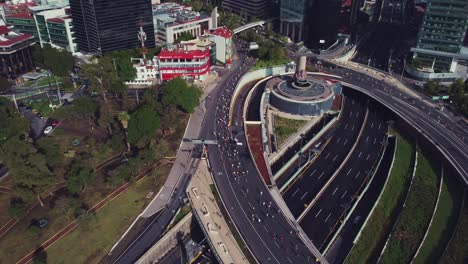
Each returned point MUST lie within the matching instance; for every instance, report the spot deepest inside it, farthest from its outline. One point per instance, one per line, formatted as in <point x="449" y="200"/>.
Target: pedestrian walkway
<point x="208" y="213"/>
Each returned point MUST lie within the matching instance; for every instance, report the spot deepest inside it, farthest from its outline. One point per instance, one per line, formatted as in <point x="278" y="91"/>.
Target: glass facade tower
<point x="102" y="26"/>
<point x="441" y="34"/>
<point x="249" y="8"/>
<point x="292" y="15"/>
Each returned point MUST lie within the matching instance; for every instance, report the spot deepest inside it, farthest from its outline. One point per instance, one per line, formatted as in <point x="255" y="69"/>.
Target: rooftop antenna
<point x="142" y="39"/>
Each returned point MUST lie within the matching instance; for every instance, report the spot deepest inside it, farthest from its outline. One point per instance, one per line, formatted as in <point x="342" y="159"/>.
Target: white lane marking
<point x="346" y="141"/>
<point x="335" y="191"/>
<point x="367" y="138"/>
<point x="346" y="126"/>
<point x="380" y="124"/>
<point x="321" y="174"/>
<point x="326" y="219"/>
<point x="349" y="171"/>
<point x="318" y="213"/>
<point x="326" y="157"/>
<point x="295" y="192"/>
<point x="313" y="172"/>
<point x="360" y="153"/>
<point x="304" y="195"/>
<point x="368" y="155"/>
<point x="372" y="125"/>
<point x="338" y="141"/>
<point x="344" y="194"/>
<point x="336" y="156"/>
<point x="375" y="139"/>
<point x="357" y="174"/>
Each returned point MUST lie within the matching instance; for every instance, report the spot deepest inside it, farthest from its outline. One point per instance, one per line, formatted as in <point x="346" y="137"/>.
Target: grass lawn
<point x="264" y="64"/>
<point x="415" y="216"/>
<point x="21" y="240"/>
<point x="374" y="234"/>
<point x="45" y="81"/>
<point x="90" y="241"/>
<point x="286" y="127"/>
<point x="4" y="205"/>
<point x="457" y="249"/>
<point x="444" y="222"/>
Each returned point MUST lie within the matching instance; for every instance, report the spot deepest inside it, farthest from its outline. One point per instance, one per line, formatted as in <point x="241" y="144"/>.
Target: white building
<point x="172" y="19"/>
<point x="222" y="37"/>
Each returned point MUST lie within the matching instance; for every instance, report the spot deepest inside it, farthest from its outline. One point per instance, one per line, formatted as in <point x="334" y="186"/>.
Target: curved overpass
<point x="437" y="130"/>
<point x="274" y="239"/>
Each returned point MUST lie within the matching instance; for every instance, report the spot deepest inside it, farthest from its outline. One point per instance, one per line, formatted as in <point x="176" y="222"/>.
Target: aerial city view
<point x="233" y="131"/>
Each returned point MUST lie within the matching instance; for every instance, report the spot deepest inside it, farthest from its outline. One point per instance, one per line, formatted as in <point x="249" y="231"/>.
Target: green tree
<point x="105" y="119"/>
<point x="28" y="168"/>
<point x="11" y="123"/>
<point x="432" y="86"/>
<point x="17" y="208"/>
<point x="123" y="64"/>
<point x="196" y="5"/>
<point x="184" y="36"/>
<point x="5" y="85"/>
<point x="177" y="92"/>
<point x="143" y="124"/>
<point x="59" y="61"/>
<point x="51" y="150"/>
<point x="101" y="76"/>
<point x="84" y="108"/>
<point x="78" y="177"/>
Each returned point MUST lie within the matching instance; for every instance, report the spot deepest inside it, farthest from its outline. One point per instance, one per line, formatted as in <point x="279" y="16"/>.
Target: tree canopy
<point x="27" y="167"/>
<point x="51" y="150"/>
<point x="11" y="123"/>
<point x="59" y="61"/>
<point x="143" y="124"/>
<point x="83" y="108"/>
<point x="102" y="77"/>
<point x="5" y="85"/>
<point x="78" y="177"/>
<point x="177" y="92"/>
<point x="184" y="36"/>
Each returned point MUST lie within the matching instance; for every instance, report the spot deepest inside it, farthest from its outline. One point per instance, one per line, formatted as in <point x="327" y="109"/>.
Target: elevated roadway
<point x="439" y="129"/>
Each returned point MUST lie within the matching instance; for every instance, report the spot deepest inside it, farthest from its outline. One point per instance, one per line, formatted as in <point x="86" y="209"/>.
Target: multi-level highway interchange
<point x="319" y="199"/>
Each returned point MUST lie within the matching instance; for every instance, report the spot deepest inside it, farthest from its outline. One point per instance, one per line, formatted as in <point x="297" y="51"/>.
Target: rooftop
<point x="181" y="52"/>
<point x="20" y="15"/>
<point x="176" y="13"/>
<point x="60" y="19"/>
<point x="9" y="37"/>
<point x="224" y="32"/>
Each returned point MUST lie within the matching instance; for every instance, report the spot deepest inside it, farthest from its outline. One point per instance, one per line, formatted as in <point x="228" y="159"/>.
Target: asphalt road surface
<point x="311" y="181"/>
<point x="344" y="241"/>
<point x="449" y="137"/>
<point x="324" y="217"/>
<point x="266" y="231"/>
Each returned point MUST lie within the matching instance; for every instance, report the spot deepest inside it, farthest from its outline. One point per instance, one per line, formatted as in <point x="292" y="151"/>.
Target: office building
<point x="440" y="39"/>
<point x="49" y="24"/>
<point x="102" y="26"/>
<point x="249" y="9"/>
<point x="15" y="53"/>
<point x="171" y="20"/>
<point x="293" y="18"/>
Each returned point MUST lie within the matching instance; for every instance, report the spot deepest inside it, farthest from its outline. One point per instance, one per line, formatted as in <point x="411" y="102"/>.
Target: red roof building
<point x="15" y="53"/>
<point x="175" y="62"/>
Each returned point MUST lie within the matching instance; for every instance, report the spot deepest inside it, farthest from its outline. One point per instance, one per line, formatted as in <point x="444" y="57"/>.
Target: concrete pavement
<point x="212" y="221"/>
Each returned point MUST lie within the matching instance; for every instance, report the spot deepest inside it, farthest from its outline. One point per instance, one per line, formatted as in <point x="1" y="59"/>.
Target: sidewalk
<point x="213" y="223"/>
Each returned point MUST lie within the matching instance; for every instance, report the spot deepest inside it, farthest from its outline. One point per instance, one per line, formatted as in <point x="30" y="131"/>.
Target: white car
<point x="48" y="129"/>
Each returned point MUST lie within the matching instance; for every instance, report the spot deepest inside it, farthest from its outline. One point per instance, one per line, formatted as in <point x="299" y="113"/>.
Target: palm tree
<point x="123" y="118"/>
